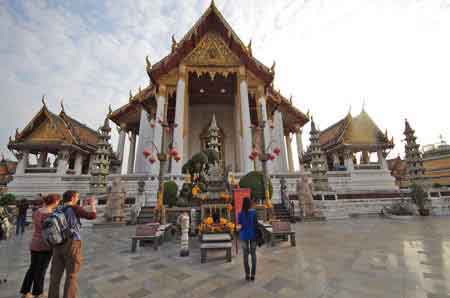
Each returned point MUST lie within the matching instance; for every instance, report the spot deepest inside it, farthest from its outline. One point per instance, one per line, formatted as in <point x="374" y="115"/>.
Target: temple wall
<point x="362" y="180"/>
<point x="200" y="118"/>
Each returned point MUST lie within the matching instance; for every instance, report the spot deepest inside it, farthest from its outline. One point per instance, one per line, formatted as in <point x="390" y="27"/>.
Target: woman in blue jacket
<point x="247" y="233"/>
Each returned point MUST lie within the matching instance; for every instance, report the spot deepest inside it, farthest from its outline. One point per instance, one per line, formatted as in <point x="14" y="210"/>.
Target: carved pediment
<point x="212" y="51"/>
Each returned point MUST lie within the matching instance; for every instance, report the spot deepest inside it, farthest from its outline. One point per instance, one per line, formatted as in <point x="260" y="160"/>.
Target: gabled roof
<point x="47" y="129"/>
<point x="354" y="131"/>
<point x="211" y="20"/>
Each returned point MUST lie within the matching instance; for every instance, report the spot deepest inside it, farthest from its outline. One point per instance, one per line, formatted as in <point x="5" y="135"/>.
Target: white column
<point x="298" y="138"/>
<point x="382" y="160"/>
<point x="178" y="131"/>
<point x="246" y="130"/>
<point x="289" y="153"/>
<point x="63" y="162"/>
<point x="132" y="154"/>
<point x="267" y="131"/>
<point x="121" y="144"/>
<point x="349" y="161"/>
<point x="336" y="161"/>
<point x="78" y="163"/>
<point x="279" y="141"/>
<point x="146" y="133"/>
<point x="160" y="108"/>
<point x="23" y="163"/>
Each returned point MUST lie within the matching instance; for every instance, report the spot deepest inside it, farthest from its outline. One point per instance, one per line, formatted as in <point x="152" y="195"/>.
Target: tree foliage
<point x="7" y="199"/>
<point x="255" y="181"/>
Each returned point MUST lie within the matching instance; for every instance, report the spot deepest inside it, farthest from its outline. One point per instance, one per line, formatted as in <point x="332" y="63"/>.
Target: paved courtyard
<point x="369" y="257"/>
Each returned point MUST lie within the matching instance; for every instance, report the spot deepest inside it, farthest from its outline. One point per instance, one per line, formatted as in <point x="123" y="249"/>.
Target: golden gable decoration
<point x="212" y="51"/>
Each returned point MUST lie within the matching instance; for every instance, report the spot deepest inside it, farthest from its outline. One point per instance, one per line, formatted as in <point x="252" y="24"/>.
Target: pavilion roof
<point x="51" y="131"/>
<point x="211" y="20"/>
<point x="359" y="131"/>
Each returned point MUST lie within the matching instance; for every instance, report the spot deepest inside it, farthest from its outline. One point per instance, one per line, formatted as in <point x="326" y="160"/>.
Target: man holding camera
<point x="67" y="256"/>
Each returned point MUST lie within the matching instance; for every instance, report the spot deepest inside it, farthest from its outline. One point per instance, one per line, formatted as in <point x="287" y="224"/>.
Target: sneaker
<point x="252" y="278"/>
<point x="247" y="278"/>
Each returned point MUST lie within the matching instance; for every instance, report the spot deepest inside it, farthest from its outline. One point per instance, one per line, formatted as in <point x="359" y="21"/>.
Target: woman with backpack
<point x="247" y="222"/>
<point x="41" y="252"/>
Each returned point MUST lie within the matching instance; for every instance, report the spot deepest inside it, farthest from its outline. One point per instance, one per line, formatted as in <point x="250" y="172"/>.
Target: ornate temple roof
<point x="360" y="131"/>
<point x="211" y="20"/>
<point x="49" y="131"/>
<point x="211" y="33"/>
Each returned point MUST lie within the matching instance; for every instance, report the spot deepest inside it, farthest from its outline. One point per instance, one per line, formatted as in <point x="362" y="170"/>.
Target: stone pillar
<point x="336" y="162"/>
<point x="158" y="130"/>
<point x="246" y="129"/>
<point x="121" y="144"/>
<point x="179" y="115"/>
<point x="146" y="133"/>
<point x="78" y="163"/>
<point x="279" y="141"/>
<point x="382" y="160"/>
<point x="289" y="153"/>
<point x="348" y="155"/>
<point x="23" y="163"/>
<point x="63" y="162"/>
<point x="267" y="131"/>
<point x="91" y="162"/>
<point x="132" y="154"/>
<point x="42" y="159"/>
<point x="298" y="138"/>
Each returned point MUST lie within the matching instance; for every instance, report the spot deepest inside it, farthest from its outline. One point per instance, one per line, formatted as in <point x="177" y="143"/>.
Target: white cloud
<point x="330" y="55"/>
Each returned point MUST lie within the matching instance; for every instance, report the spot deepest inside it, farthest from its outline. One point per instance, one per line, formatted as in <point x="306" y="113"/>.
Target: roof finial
<point x="43" y="101"/>
<point x="308" y="114"/>
<point x="213" y="4"/>
<point x="62" y="105"/>
<point x="363" y="105"/>
<point x="17" y="136"/>
<point x="140" y="90"/>
<point x="249" y="47"/>
<point x="130" y="97"/>
<point x="349" y="109"/>
<point x="290" y="99"/>
<point x="174" y="43"/>
<point x="147" y="61"/>
<point x="272" y="68"/>
<point x="109" y="110"/>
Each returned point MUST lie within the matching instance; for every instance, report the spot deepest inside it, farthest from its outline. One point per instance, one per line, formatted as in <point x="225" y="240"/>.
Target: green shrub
<point x="255" y="181"/>
<point x="7" y="199"/>
<point x="170" y="193"/>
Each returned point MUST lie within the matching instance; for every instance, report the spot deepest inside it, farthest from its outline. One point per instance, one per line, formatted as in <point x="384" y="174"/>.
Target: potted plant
<point x="420" y="198"/>
<point x="170" y="193"/>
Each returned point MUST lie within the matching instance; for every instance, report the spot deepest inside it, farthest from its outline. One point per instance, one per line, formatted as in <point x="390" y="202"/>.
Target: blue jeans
<point x="20" y="224"/>
<point x="249" y="247"/>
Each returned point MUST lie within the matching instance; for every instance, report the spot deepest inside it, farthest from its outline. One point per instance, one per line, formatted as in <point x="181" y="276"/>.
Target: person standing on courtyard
<point x="22" y="208"/>
<point x="247" y="233"/>
<point x="67" y="256"/>
<point x="41" y="252"/>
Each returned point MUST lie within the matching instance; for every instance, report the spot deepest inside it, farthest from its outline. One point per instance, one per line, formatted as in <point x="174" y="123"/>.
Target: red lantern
<point x="173" y="152"/>
<point x="277" y="151"/>
<point x="177" y="158"/>
<point x="251" y="157"/>
<point x="272" y="156"/>
<point x="146" y="153"/>
<point x="255" y="153"/>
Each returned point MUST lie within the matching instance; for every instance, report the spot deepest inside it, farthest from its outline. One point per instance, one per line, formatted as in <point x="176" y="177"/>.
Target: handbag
<point x="259" y="233"/>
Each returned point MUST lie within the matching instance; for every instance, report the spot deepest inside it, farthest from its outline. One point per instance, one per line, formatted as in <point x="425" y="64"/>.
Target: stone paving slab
<point x="349" y="258"/>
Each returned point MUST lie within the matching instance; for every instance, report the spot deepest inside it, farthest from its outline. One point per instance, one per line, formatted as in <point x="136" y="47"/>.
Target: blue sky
<point x="330" y="55"/>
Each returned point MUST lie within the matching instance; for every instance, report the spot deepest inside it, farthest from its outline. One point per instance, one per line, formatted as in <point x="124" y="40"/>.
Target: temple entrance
<point x="209" y="95"/>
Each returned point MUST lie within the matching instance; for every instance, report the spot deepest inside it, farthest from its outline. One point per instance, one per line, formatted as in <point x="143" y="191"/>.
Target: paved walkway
<point x="369" y="257"/>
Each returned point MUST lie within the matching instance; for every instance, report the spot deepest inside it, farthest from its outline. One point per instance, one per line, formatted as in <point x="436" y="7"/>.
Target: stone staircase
<point x="280" y="212"/>
<point x="146" y="215"/>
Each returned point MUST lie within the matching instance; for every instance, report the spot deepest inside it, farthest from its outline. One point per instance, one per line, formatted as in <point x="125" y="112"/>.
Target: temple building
<point x="51" y="147"/>
<point x="209" y="71"/>
<point x="355" y="154"/>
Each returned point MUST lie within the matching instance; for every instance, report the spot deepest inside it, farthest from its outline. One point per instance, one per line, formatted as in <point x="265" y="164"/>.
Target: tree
<point x="255" y="181"/>
<point x="170" y="193"/>
<point x="7" y="199"/>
